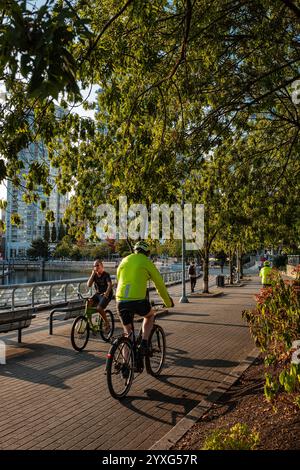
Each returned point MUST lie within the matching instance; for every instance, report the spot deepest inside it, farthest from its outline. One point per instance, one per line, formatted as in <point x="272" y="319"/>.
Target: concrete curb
<point x="186" y="423"/>
<point x="240" y="284"/>
<point x="200" y="295"/>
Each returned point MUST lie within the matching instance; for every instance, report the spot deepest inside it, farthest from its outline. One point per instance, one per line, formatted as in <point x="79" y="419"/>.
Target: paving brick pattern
<point x="53" y="397"/>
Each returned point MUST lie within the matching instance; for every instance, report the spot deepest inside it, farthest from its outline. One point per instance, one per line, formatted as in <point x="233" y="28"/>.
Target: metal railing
<point x="39" y="294"/>
<point x="173" y="276"/>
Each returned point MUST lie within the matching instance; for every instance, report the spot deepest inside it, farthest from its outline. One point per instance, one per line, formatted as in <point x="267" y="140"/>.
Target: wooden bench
<point x="16" y="320"/>
<point x="72" y="310"/>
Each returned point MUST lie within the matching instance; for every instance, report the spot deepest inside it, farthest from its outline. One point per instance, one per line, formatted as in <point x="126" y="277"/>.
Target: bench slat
<point x="16" y="320"/>
<point x="15" y="326"/>
<point x="7" y="317"/>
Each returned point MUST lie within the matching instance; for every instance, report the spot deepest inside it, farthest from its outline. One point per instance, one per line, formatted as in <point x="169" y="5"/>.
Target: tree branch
<point x="105" y="27"/>
<point x="286" y="161"/>
<point x="291" y="6"/>
<point x="181" y="58"/>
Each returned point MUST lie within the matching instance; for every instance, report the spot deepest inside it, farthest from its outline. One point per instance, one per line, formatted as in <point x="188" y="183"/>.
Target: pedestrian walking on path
<point x="192" y="276"/>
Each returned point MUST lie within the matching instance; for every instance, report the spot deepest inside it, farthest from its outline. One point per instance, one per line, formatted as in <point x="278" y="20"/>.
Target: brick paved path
<point x="55" y="398"/>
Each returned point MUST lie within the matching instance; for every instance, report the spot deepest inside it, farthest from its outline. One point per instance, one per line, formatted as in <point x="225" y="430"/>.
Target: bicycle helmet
<point x="266" y="263"/>
<point x="142" y="246"/>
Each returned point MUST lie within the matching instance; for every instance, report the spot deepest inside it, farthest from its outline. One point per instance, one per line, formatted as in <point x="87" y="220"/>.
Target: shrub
<point x="275" y="322"/>
<point x="238" y="437"/>
<point x="274" y="325"/>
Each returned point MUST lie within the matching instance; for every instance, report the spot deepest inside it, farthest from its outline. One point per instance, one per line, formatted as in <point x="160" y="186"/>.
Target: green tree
<point x="150" y="130"/>
<point x="47" y="232"/>
<point x="62" y="250"/>
<point x="101" y="251"/>
<point x="3" y="203"/>
<point x="122" y="248"/>
<point x="76" y="253"/>
<point x="15" y="219"/>
<point x="35" y="44"/>
<point x="180" y="81"/>
<point x="53" y="234"/>
<point x="61" y="231"/>
<point x="39" y="249"/>
<point x="171" y="248"/>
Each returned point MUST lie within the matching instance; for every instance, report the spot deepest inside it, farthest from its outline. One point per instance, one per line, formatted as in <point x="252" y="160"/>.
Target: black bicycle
<point x="90" y="321"/>
<point x="124" y="359"/>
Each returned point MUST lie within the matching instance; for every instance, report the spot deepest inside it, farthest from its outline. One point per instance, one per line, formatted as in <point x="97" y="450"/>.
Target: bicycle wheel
<point x="106" y="335"/>
<point x="80" y="333"/>
<point x="119" y="368"/>
<point x="155" y="357"/>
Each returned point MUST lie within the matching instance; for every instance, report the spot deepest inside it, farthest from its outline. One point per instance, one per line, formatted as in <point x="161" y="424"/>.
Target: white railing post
<point x="50" y="294"/>
<point x="13" y="299"/>
<point x="32" y="296"/>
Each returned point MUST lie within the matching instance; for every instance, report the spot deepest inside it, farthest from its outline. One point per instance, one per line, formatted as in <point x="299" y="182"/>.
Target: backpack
<point x="192" y="270"/>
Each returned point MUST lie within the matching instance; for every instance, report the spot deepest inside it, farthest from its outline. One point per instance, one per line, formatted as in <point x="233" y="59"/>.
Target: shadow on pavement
<point x="164" y="402"/>
<point x="50" y="365"/>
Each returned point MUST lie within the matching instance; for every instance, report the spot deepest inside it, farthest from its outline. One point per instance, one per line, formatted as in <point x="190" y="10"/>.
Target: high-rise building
<point x="2" y="233"/>
<point x="19" y="238"/>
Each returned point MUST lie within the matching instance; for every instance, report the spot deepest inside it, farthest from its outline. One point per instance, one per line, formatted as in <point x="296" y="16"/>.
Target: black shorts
<point x="100" y="301"/>
<point x="127" y="309"/>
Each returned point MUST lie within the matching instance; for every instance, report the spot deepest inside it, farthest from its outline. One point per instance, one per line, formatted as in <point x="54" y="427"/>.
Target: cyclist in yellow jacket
<point x="265" y="274"/>
<point x="133" y="274"/>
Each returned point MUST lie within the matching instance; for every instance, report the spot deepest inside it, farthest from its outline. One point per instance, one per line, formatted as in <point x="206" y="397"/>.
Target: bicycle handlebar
<point x="161" y="304"/>
<point x="81" y="296"/>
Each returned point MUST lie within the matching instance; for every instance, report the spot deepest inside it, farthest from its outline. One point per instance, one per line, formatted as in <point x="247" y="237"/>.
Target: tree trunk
<point x="230" y="268"/>
<point x="205" y="252"/>
<point x="242" y="270"/>
<point x="205" y="261"/>
<point x="241" y="266"/>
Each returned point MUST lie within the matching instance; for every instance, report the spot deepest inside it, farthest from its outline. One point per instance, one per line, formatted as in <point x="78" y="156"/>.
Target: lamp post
<point x="183" y="299"/>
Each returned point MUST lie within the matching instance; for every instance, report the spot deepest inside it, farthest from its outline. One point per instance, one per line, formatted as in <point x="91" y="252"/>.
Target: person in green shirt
<point x="264" y="273"/>
<point x="132" y="275"/>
